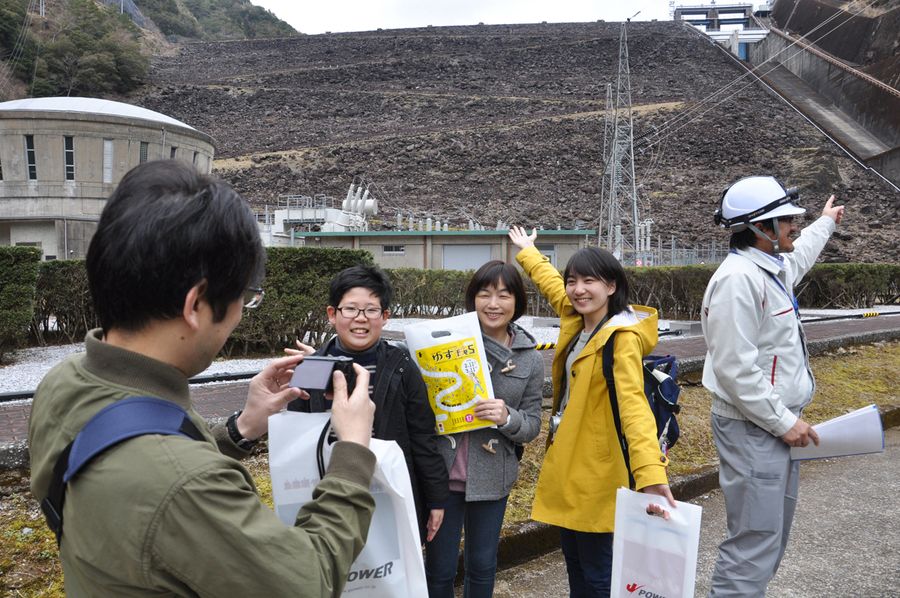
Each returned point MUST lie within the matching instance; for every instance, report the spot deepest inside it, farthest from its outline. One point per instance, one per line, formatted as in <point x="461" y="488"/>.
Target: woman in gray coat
<point x="484" y="463"/>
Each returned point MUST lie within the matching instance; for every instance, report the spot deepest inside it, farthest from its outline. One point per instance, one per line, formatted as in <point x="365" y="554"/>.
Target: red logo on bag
<point x="632" y="587"/>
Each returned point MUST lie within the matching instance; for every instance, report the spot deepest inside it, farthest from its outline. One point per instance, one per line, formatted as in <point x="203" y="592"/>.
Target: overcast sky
<point x="319" y="16"/>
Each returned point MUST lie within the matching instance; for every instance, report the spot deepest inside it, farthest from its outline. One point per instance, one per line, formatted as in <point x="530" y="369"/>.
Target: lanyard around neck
<point x="790" y="295"/>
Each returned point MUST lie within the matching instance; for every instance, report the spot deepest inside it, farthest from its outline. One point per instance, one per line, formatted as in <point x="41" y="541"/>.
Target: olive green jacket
<point x="166" y="515"/>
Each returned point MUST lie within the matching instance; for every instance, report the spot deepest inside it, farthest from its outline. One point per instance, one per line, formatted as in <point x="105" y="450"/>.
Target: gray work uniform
<point x="757" y="369"/>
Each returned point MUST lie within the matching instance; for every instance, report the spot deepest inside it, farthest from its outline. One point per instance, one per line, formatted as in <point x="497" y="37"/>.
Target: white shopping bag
<point x="390" y="564"/>
<point x="652" y="556"/>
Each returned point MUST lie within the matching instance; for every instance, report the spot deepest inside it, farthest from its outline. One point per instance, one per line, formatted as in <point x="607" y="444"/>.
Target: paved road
<point x="845" y="541"/>
<point x="221" y="400"/>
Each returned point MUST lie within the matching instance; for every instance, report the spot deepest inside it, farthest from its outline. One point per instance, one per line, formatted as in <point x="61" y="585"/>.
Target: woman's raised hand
<point x="520" y="238"/>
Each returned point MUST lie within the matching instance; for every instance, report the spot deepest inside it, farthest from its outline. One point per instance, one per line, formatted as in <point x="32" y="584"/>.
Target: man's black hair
<point x="165" y="229"/>
<point x="365" y="276"/>
<point x="490" y="274"/>
<point x="746" y="238"/>
<point x="599" y="263"/>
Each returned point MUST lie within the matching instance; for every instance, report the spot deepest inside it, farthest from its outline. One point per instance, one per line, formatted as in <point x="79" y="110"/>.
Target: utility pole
<point x="620" y="202"/>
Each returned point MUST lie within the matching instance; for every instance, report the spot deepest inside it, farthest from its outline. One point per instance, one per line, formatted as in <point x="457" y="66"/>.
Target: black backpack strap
<point x="324" y="436"/>
<point x="115" y="423"/>
<point x="608" y="350"/>
<point x="52" y="505"/>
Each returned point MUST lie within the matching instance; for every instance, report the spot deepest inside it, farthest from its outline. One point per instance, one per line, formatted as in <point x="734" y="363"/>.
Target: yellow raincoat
<point x="584" y="466"/>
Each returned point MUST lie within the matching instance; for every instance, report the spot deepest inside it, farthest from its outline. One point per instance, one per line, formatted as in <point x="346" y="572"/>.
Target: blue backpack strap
<point x="134" y="416"/>
<point x="115" y="423"/>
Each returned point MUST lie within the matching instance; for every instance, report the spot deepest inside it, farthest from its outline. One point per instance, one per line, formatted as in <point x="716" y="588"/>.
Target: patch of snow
<point x="27" y="367"/>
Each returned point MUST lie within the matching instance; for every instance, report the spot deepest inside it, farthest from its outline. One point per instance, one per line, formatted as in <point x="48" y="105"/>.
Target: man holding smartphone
<point x="175" y="260"/>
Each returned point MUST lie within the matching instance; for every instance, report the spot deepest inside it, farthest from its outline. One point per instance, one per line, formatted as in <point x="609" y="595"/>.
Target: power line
<point x="685" y="113"/>
<point x="642" y="140"/>
<point x="18" y="47"/>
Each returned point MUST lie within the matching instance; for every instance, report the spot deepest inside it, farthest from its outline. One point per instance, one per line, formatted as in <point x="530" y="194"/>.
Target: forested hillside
<point x="213" y="19"/>
<point x="84" y="47"/>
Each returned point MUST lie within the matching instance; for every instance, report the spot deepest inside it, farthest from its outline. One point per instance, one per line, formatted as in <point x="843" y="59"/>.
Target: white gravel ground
<point x="27" y="367"/>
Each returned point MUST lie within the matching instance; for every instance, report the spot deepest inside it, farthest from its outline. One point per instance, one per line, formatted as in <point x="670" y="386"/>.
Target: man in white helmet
<point x="757" y="369"/>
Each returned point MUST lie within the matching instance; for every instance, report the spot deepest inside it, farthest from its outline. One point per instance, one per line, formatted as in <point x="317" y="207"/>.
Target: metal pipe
<point x="22" y="395"/>
<point x="868" y="314"/>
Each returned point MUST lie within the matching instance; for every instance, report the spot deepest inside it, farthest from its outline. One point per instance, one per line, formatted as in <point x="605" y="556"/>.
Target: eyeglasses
<point x="351" y="312"/>
<point x="253" y="297"/>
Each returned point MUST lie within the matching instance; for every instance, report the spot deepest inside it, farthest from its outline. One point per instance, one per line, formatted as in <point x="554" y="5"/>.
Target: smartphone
<point x="314" y="372"/>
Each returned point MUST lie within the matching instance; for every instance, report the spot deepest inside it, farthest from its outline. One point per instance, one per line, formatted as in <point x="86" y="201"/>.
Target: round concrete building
<point x="61" y="158"/>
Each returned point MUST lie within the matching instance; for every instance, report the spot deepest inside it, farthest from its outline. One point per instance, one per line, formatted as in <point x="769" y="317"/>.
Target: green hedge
<point x="677" y="291"/>
<point x="63" y="310"/>
<point x="436" y="293"/>
<point x="850" y="285"/>
<point x="297" y="287"/>
<point x="18" y="281"/>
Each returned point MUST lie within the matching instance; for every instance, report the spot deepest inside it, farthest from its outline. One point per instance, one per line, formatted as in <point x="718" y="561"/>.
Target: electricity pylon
<point x="619" y="201"/>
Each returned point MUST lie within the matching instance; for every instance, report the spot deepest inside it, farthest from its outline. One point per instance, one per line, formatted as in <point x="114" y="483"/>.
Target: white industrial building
<point x="426" y="243"/>
<point x="735" y="26"/>
<point x="61" y="158"/>
<point x="446" y="249"/>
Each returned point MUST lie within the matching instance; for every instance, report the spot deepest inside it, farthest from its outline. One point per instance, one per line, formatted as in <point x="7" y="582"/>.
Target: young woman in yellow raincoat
<point x="584" y="464"/>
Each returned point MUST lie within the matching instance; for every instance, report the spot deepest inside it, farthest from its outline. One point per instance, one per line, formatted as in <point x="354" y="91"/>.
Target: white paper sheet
<point x="855" y="433"/>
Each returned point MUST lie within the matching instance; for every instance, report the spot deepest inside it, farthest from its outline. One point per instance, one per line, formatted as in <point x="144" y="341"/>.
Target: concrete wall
<point x="49" y="129"/>
<point x="41" y="233"/>
<point x="413" y="254"/>
<point x="57" y="239"/>
<point x="887" y="163"/>
<point x="875" y="107"/>
<point x="414" y="248"/>
<point x="845" y="37"/>
<point x="74" y="237"/>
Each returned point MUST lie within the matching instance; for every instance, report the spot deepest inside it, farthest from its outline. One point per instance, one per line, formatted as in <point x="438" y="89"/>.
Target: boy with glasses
<point x="358" y="306"/>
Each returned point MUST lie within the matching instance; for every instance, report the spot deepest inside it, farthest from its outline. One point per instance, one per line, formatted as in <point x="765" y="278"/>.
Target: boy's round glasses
<point x="253" y="297"/>
<point x="351" y="312"/>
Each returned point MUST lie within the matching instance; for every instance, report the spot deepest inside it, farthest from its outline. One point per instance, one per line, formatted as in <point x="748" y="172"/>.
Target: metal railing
<point x="24" y="395"/>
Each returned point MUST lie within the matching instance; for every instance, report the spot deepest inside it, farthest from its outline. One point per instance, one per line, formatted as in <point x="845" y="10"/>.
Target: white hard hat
<point x="753" y="199"/>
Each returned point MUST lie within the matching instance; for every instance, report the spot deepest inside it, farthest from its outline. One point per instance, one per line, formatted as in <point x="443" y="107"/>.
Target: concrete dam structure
<point x="840" y="69"/>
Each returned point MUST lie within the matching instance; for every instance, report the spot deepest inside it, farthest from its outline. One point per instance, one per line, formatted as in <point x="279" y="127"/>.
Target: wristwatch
<point x="233" y="433"/>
